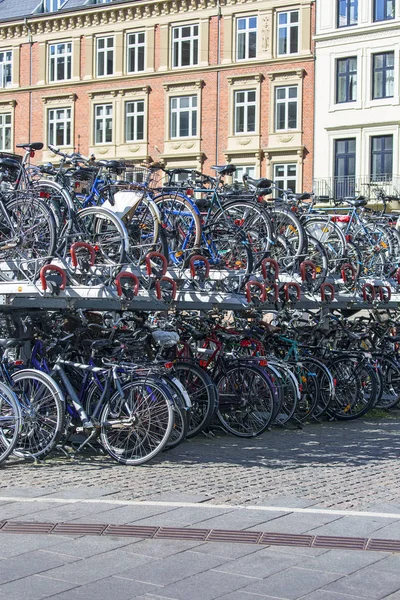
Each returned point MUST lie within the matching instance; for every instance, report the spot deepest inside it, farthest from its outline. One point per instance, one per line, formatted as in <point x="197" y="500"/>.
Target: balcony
<point x="335" y="188"/>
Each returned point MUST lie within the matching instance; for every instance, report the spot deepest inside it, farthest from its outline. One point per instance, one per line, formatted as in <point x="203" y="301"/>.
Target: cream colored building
<point x="357" y="97"/>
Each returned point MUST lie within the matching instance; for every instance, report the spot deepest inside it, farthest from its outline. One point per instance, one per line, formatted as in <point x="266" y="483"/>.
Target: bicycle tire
<point x="103" y="230"/>
<point x="43" y="413"/>
<point x="355" y="387"/>
<point x="10" y="421"/>
<point x="202" y="393"/>
<point x="147" y="425"/>
<point x="239" y="415"/>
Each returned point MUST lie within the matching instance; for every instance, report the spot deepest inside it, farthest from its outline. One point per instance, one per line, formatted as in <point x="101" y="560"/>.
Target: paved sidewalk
<point x="330" y="480"/>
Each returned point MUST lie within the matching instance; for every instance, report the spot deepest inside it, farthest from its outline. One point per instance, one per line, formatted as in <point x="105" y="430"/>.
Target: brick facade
<point x="33" y="95"/>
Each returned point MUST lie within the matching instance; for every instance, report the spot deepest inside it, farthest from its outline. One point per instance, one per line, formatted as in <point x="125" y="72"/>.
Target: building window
<point x="105" y="56"/>
<point x="286" y="107"/>
<point x="245" y="111"/>
<point x="384" y="9"/>
<point x="346" y="80"/>
<point x="288" y="32"/>
<point x="382" y="158"/>
<point x="103" y="123"/>
<point x="246" y="42"/>
<point x="285" y="176"/>
<point x="5" y="131"/>
<point x="134" y="118"/>
<point x="185" y="46"/>
<point x="135" y="49"/>
<point x="240" y="171"/>
<point x="345" y="167"/>
<point x="53" y="5"/>
<point x="383" y="75"/>
<point x="347" y="13"/>
<point x="59" y="121"/>
<point x="60" y="61"/>
<point x="183" y="112"/>
<point x="5" y="69"/>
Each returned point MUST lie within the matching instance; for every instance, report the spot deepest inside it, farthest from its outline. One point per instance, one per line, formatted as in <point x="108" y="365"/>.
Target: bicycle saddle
<point x="356" y="202"/>
<point x="224" y="169"/>
<point x="11" y="342"/>
<point x="110" y="164"/>
<point x="259" y="183"/>
<point x="32" y="146"/>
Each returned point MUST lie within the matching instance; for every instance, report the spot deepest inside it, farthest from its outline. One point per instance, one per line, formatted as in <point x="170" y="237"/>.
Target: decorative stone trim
<point x="283" y="75"/>
<point x="183" y="86"/>
<point x="95" y="16"/>
<point x="59" y="98"/>
<point x="5" y="103"/>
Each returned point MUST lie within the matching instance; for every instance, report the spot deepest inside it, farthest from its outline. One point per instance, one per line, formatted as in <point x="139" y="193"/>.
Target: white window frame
<point x="66" y="54"/>
<point x="105" y="51"/>
<point x="246" y="34"/>
<point x="241" y="170"/>
<point x="288" y="26"/>
<point x="282" y="182"/>
<point x="178" y="111"/>
<point x="53" y="5"/>
<point x="135" y="45"/>
<point x="67" y="119"/>
<point x="286" y="101"/>
<point x="103" y="119"/>
<point x="246" y="104"/>
<point x="179" y="40"/>
<point x="6" y="61"/>
<point x="134" y="114"/>
<point x="4" y="127"/>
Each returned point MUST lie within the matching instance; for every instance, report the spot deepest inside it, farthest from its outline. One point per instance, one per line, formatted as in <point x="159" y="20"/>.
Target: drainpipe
<point x="218" y="82"/>
<point x="30" y="40"/>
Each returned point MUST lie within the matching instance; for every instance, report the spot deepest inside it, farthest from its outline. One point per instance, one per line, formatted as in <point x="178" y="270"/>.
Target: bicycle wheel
<point x="10" y="421"/>
<point x="290" y="393"/>
<point x="135" y="428"/>
<point x="390" y="371"/>
<point x="286" y="224"/>
<point x="43" y="411"/>
<point x="246" y="400"/>
<point x="181" y="224"/>
<point x="254" y="220"/>
<point x="202" y="393"/>
<point x="181" y="411"/>
<point x="58" y="200"/>
<point x="28" y="240"/>
<point x="105" y="231"/>
<point x="332" y="238"/>
<point x="307" y="375"/>
<point x="355" y="387"/>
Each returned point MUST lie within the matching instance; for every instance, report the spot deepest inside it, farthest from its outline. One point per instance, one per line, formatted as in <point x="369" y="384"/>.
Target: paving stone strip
<point x="202" y="535"/>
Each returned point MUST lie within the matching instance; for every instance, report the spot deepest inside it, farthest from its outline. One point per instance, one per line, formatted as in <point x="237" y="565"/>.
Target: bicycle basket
<point x="9" y="166"/>
<point x="82" y="179"/>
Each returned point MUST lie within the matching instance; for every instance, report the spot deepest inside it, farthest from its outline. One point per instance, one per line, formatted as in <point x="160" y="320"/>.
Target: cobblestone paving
<point x="338" y="465"/>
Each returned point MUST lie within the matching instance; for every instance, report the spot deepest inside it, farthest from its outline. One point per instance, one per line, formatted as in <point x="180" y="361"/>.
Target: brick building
<point x="191" y="82"/>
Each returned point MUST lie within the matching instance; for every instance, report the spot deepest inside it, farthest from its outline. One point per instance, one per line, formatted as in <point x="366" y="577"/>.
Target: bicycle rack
<point x="323" y="289"/>
<point x="54" y="288"/>
<point x="349" y="267"/>
<point x="370" y="293"/>
<point x="149" y="267"/>
<point x="159" y="291"/>
<point x="192" y="266"/>
<point x="87" y="247"/>
<point x="286" y="289"/>
<point x="270" y="270"/>
<point x="303" y="270"/>
<point x="129" y="293"/>
<point x="385" y="296"/>
<point x="255" y="284"/>
<point x="269" y="288"/>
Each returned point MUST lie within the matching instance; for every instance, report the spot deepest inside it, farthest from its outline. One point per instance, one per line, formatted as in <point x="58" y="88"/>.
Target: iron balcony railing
<point x="335" y="188"/>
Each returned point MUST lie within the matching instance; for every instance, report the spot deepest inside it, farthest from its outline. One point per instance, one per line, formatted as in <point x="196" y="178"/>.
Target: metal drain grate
<point x="202" y="535"/>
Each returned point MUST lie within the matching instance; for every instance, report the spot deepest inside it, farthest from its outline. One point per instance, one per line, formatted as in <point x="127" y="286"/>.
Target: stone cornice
<point x="94" y="16"/>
